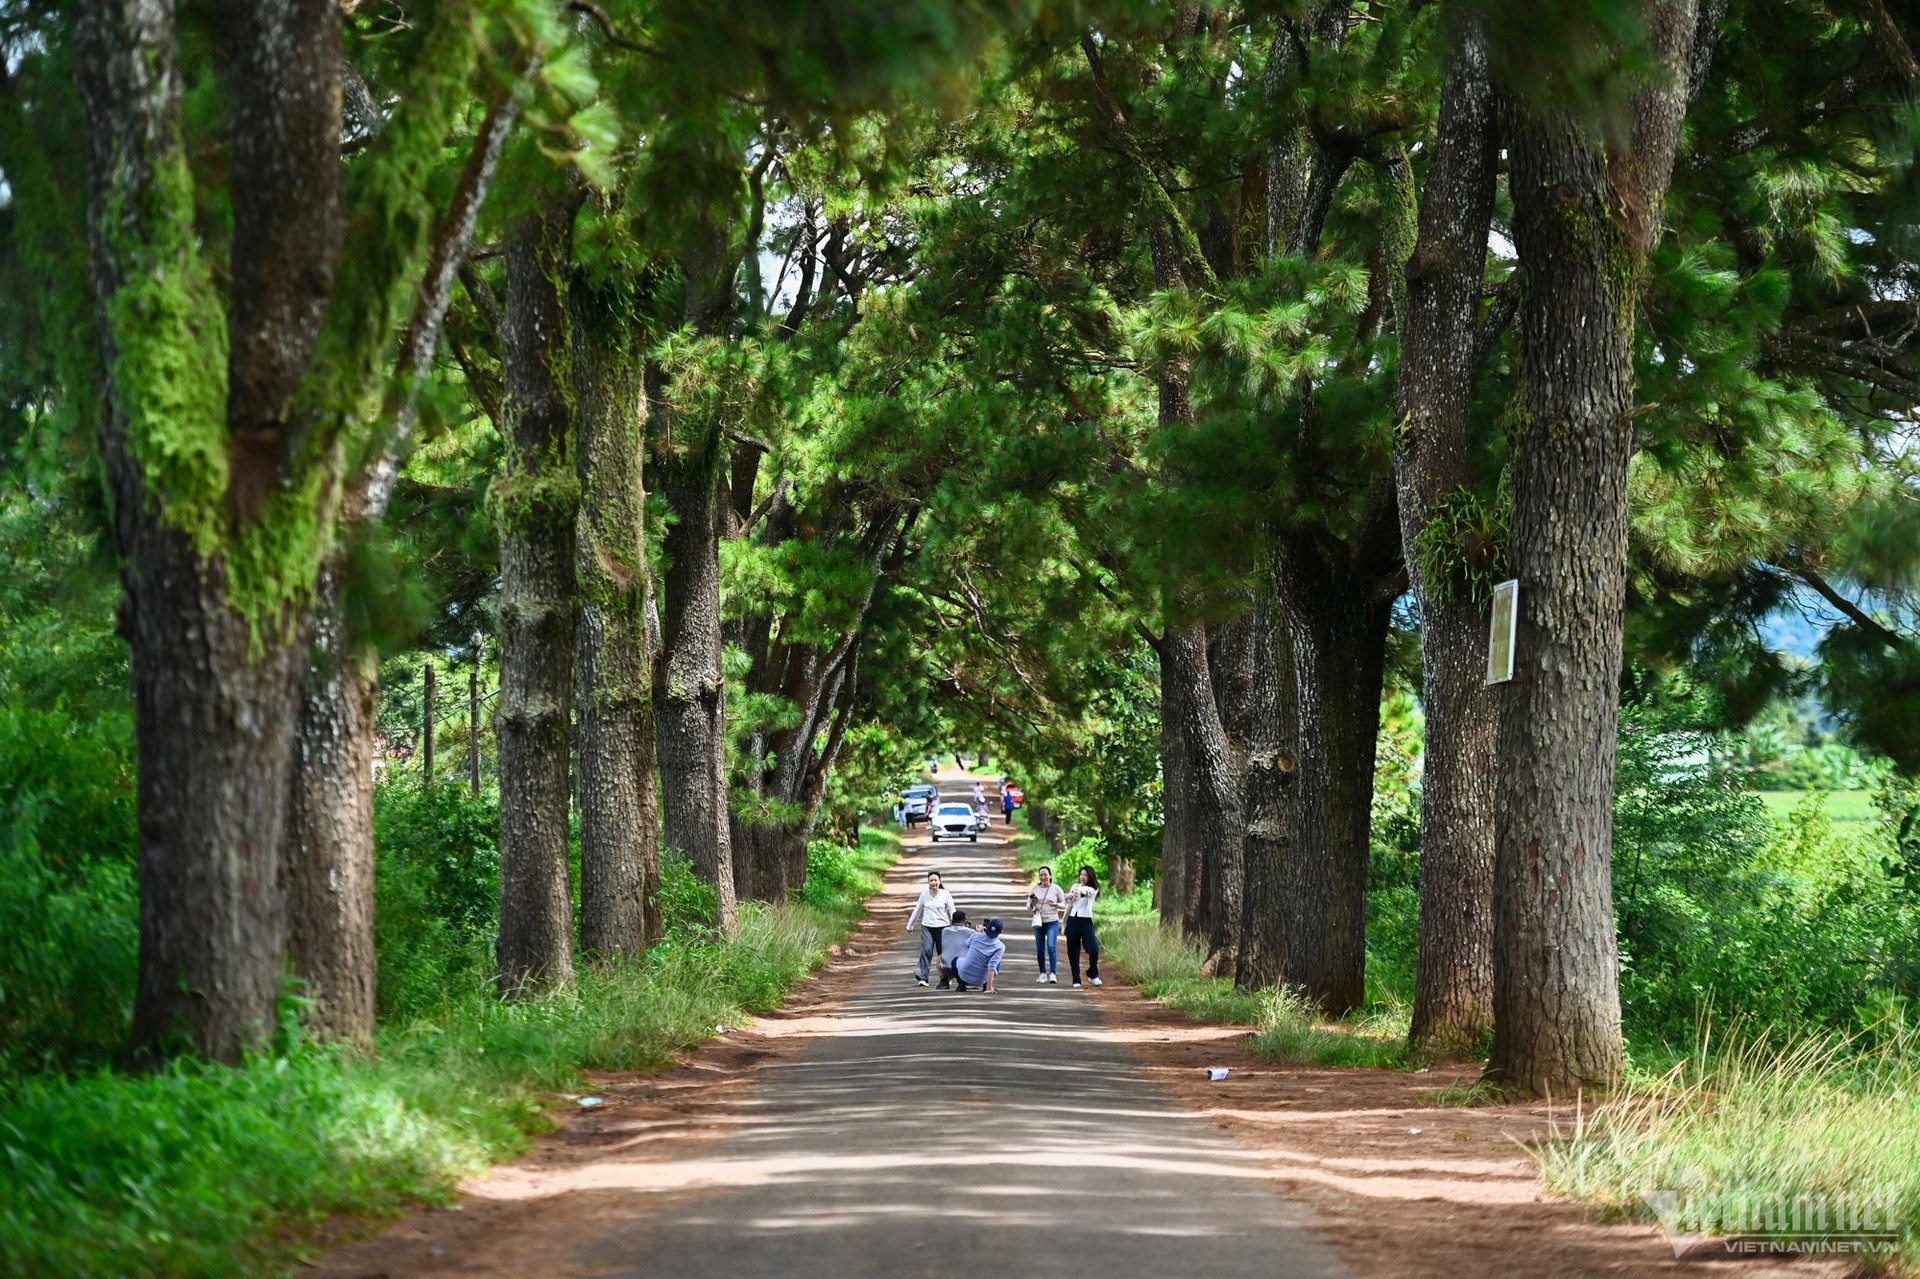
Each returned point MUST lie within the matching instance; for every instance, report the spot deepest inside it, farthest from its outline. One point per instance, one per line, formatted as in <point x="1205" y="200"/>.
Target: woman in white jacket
<point x="932" y="913"/>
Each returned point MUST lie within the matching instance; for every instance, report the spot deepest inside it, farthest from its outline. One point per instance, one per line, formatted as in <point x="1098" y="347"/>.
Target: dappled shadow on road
<point x="1003" y="1109"/>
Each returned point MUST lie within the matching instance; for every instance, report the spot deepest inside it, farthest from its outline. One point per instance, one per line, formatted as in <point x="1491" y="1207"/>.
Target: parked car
<point x="955" y="821"/>
<point x="916" y="803"/>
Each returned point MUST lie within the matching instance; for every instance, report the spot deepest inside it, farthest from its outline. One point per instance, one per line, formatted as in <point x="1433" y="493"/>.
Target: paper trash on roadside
<point x="1217" y="1073"/>
<point x="590" y="1101"/>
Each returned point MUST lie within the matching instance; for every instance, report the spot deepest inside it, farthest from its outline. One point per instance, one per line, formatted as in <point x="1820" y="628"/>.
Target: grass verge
<point x="1805" y="1144"/>
<point x="1286" y="1027"/>
<point x="212" y="1170"/>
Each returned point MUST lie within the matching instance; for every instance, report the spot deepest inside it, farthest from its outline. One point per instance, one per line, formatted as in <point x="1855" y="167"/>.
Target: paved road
<point x="936" y="1133"/>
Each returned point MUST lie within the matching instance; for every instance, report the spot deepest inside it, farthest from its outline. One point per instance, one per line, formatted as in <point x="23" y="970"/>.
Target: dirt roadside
<point x="1403" y="1188"/>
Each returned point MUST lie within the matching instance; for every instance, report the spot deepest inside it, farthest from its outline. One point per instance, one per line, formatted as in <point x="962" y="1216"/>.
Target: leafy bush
<point x="1717" y="909"/>
<point x="69" y="954"/>
<point x="69" y="907"/>
<point x="688" y="905"/>
<point x="837" y="873"/>
<point x="436" y="892"/>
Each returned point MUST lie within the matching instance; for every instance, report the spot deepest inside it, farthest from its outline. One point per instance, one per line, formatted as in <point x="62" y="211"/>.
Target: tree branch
<point x="1892" y="42"/>
<point x="608" y="30"/>
<point x="1851" y="611"/>
<point x="1192" y="258"/>
<point x="444" y="259"/>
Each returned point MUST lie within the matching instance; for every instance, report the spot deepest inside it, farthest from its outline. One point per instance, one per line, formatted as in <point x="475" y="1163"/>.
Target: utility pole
<point x="426" y="728"/>
<point x="473" y="720"/>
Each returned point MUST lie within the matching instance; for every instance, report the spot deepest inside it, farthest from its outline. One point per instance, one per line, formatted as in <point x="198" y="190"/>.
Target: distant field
<point x="1842" y="805"/>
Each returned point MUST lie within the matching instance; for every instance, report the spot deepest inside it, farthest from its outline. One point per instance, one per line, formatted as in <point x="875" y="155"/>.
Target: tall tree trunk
<point x="689" y="691"/>
<point x="1214" y="784"/>
<point x="1339" y="646"/>
<point x="215" y="603"/>
<point x="329" y="859"/>
<point x="213" y="712"/>
<point x="1269" y="917"/>
<point x="1585" y="216"/>
<point x="1231" y="650"/>
<point x="1176" y="832"/>
<point x="1439" y="321"/>
<point x="537" y="505"/>
<point x="329" y="854"/>
<point x="619" y="840"/>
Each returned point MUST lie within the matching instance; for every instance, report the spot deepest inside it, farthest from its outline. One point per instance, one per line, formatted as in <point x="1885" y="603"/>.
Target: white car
<point x="955" y="820"/>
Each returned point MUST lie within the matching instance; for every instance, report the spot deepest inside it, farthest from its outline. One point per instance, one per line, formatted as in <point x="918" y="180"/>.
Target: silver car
<point x="955" y="820"/>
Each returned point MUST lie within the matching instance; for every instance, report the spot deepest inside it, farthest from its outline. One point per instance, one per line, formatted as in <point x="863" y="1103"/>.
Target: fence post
<point x="426" y="730"/>
<point x="473" y="725"/>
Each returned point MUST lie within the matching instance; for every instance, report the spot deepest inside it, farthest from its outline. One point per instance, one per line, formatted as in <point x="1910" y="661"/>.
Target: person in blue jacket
<point x="982" y="960"/>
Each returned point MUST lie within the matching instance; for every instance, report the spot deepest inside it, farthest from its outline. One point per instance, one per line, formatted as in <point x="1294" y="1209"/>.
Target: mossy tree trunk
<point x="689" y="689"/>
<point x="536" y="505"/>
<point x="220" y="510"/>
<point x="619" y="795"/>
<point x="1433" y="449"/>
<point x="1586" y="213"/>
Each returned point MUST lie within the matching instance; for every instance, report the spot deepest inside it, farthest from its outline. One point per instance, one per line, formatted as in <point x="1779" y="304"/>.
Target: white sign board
<point x="1506" y="621"/>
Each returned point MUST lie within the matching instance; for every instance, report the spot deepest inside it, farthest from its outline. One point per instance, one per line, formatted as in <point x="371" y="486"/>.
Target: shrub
<point x="436" y="892"/>
<point x="69" y="905"/>
<point x="69" y="954"/>
<point x="688" y="905"/>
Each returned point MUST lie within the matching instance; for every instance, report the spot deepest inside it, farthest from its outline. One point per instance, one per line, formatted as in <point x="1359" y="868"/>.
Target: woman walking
<point x="1080" y="933"/>
<point x="933" y="912"/>
<point x="1046" y="901"/>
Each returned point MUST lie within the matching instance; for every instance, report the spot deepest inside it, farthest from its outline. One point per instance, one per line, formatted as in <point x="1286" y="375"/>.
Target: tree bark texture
<point x="689" y="692"/>
<point x="536" y="505"/>
<point x="619" y="798"/>
<point x="1585" y="217"/>
<point x="282" y="65"/>
<point x="329" y="837"/>
<point x="1213" y="783"/>
<point x="1339" y="635"/>
<point x="1269" y="915"/>
<point x="214" y="660"/>
<point x="1231" y="650"/>
<point x="1453" y="979"/>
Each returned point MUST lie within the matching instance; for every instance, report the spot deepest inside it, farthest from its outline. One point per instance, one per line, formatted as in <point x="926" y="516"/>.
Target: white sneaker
<point x="922" y="980"/>
<point x="1041" y="980"/>
<point x="1054" y="978"/>
<point x="1076" y="985"/>
<point x="1096" y="981"/>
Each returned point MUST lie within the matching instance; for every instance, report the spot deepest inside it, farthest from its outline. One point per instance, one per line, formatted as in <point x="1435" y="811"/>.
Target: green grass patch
<point x="1844" y="807"/>
<point x="1745" y="1136"/>
<point x="1166" y="967"/>
<point x="211" y="1170"/>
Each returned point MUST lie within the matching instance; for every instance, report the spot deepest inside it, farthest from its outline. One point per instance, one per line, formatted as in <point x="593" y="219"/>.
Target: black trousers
<point x="1079" y="933"/>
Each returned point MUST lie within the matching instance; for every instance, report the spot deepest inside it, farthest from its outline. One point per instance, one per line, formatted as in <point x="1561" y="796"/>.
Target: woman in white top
<point x="1046" y="901"/>
<point x="1080" y="899"/>
<point x="933" y="912"/>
